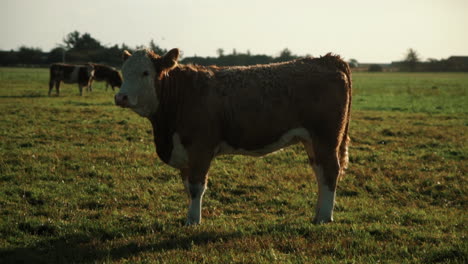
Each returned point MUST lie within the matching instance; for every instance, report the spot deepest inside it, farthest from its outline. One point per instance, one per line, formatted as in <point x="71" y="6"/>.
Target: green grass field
<point x="80" y="182"/>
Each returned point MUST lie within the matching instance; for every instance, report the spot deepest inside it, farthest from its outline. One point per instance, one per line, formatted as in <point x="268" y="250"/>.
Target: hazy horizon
<point x="368" y="31"/>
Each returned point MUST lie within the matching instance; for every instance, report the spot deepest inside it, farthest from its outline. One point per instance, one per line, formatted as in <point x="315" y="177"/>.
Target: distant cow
<point x="200" y="112"/>
<point x="68" y="73"/>
<point x="108" y="74"/>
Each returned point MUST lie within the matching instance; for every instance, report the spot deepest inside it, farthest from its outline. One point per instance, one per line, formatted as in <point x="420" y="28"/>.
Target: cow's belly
<point x="291" y="137"/>
<point x="68" y="81"/>
<point x="73" y="77"/>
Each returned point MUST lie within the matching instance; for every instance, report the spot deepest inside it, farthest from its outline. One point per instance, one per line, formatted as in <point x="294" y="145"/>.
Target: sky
<point x="366" y="30"/>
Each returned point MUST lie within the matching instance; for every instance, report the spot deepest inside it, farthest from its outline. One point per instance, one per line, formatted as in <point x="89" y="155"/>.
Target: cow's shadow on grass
<point x="81" y="248"/>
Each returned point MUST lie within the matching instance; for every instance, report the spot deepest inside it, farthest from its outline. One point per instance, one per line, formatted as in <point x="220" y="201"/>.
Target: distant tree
<point x="220" y="52"/>
<point x="125" y="47"/>
<point x="158" y="50"/>
<point x="8" y="58"/>
<point x="57" y="54"/>
<point x="432" y="65"/>
<point x="375" y="68"/>
<point x="29" y="55"/>
<point x="286" y="55"/>
<point x="411" y="59"/>
<point x="87" y="42"/>
<point x="74" y="40"/>
<point x="82" y="48"/>
<point x="353" y="63"/>
<point x="71" y="39"/>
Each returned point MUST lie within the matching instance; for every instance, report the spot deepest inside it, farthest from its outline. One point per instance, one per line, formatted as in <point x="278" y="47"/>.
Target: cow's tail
<point x="345" y="140"/>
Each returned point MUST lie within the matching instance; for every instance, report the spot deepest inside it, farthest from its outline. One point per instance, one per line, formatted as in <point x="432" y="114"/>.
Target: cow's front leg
<point x="80" y="88"/>
<point x="89" y="86"/>
<point x="196" y="192"/>
<point x="195" y="180"/>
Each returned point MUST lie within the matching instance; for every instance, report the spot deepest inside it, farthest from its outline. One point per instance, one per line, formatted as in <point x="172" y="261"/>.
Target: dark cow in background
<point x="199" y="112"/>
<point x="108" y="74"/>
<point x="69" y="73"/>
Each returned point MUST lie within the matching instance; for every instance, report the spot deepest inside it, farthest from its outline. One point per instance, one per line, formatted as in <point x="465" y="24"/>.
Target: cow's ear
<point x="170" y="59"/>
<point x="126" y="54"/>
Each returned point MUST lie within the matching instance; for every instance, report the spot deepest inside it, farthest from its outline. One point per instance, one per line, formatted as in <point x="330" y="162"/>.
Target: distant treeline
<point x="241" y="59"/>
<point x="33" y="57"/>
<point x="451" y="64"/>
<point x="82" y="48"/>
<point x="76" y="48"/>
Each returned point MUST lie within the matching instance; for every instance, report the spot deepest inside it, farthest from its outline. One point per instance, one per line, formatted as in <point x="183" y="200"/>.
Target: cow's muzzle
<point x="121" y="100"/>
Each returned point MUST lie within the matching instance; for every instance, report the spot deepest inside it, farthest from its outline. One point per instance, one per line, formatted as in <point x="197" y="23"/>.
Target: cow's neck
<point x="170" y="89"/>
<point x="163" y="130"/>
<point x="172" y="93"/>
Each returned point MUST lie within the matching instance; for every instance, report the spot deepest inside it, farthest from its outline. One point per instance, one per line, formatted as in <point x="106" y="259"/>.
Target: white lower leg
<point x="196" y="192"/>
<point x="326" y="199"/>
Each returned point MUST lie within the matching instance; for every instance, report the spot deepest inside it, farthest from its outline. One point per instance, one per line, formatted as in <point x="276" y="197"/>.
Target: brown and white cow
<point x="70" y="73"/>
<point x="108" y="74"/>
<point x="200" y="112"/>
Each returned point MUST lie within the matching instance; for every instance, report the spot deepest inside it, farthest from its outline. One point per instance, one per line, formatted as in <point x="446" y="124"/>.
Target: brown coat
<point x="251" y="107"/>
<point x="104" y="73"/>
<point x="200" y="112"/>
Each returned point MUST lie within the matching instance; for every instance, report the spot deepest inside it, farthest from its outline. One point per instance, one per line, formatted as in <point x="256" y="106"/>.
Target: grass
<point x="80" y="183"/>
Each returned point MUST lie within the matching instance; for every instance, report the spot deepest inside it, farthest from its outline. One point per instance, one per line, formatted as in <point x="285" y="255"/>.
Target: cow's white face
<point x="140" y="73"/>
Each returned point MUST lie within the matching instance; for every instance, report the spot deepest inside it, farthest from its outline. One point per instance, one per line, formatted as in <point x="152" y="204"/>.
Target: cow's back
<point x="107" y="73"/>
<point x="63" y="72"/>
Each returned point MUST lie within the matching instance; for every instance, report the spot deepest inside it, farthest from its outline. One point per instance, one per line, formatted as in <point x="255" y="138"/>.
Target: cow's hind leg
<point x="80" y="88"/>
<point x="51" y="85"/>
<point x="57" y="87"/>
<point x="324" y="161"/>
<point x="195" y="180"/>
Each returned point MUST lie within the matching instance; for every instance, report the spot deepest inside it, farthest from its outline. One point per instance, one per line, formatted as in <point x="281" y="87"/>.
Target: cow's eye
<point x="145" y="73"/>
